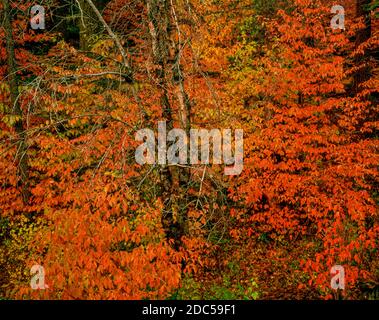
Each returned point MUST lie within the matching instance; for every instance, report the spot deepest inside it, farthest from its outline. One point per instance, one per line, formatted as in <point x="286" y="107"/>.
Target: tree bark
<point x="168" y="75"/>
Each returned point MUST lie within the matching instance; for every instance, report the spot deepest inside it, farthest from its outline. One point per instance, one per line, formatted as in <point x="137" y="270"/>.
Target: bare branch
<point x="111" y="34"/>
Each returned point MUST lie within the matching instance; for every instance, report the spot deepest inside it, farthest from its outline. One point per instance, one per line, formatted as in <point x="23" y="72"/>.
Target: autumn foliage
<point x="311" y="162"/>
<point x="74" y="200"/>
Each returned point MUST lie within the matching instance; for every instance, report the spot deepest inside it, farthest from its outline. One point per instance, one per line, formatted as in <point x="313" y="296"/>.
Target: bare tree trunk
<point x="168" y="75"/>
<point x="21" y="155"/>
<point x="159" y="25"/>
<point x="181" y="94"/>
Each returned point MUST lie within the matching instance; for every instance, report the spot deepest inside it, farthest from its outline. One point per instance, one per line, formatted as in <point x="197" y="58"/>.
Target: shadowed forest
<point x="300" y="80"/>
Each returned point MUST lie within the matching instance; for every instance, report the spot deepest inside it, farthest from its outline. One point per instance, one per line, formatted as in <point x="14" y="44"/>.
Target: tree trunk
<point x="168" y="75"/>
